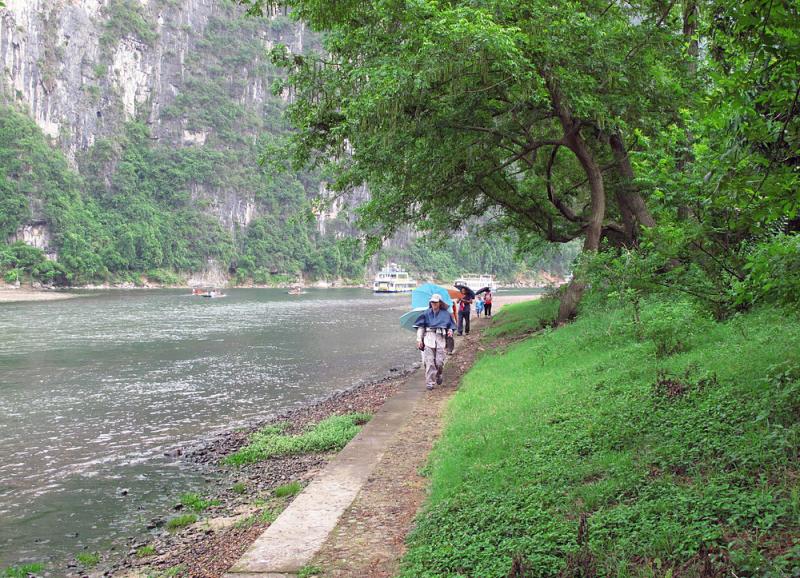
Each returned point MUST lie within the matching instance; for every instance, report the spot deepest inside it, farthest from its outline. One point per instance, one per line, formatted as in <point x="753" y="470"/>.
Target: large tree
<point x="455" y="110"/>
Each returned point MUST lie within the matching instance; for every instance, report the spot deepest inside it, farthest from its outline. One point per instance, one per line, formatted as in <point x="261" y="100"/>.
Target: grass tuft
<point x="290" y="489"/>
<point x="88" y="559"/>
<point x="181" y="521"/>
<point x="331" y="434"/>
<point x="239" y="488"/>
<point x="309" y="571"/>
<point x="22" y="571"/>
<point x="145" y="551"/>
<point x="197" y="504"/>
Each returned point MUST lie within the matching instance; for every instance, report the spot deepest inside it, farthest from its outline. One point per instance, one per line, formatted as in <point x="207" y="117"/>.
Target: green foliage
<point x="670" y="325"/>
<point x="608" y="457"/>
<point x="126" y="18"/>
<point x="181" y="521"/>
<point x="239" y="488"/>
<point x="772" y="272"/>
<point x="522" y="319"/>
<point x="309" y="571"/>
<point x="145" y="551"/>
<point x="197" y="504"/>
<point x="290" y="489"/>
<point x="23" y="571"/>
<point x="331" y="434"/>
<point x="88" y="559"/>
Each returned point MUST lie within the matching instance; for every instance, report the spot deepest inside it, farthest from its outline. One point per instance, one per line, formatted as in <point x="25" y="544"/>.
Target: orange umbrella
<point x="455" y="294"/>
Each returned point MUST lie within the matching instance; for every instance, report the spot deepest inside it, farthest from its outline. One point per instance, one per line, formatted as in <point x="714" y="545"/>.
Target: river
<point x="94" y="390"/>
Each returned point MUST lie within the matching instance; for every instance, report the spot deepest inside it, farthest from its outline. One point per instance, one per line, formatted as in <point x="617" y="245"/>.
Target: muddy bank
<point x="244" y="503"/>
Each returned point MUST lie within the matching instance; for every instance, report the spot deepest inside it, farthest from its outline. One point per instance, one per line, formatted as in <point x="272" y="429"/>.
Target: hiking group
<point x="435" y="327"/>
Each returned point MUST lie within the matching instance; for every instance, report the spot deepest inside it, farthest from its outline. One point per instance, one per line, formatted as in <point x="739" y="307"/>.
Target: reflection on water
<point x="94" y="390"/>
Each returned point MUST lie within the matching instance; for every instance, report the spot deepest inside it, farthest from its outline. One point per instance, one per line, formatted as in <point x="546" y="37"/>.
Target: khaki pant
<point x="434" y="363"/>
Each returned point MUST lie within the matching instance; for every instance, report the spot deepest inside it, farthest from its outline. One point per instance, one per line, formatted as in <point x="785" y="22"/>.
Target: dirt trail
<point x="370" y="537"/>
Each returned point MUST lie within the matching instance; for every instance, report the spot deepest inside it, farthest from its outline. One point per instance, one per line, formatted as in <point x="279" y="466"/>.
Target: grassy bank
<point x="609" y="449"/>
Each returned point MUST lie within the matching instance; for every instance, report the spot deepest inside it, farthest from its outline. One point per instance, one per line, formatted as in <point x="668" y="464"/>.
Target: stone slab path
<point x="299" y="532"/>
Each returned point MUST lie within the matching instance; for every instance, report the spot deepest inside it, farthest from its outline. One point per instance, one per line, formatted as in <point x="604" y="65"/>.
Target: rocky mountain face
<point x="84" y="67"/>
<point x="195" y="73"/>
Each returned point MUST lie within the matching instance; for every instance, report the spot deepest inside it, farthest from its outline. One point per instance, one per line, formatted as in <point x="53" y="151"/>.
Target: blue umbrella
<point x="421" y="296"/>
<point x="408" y="319"/>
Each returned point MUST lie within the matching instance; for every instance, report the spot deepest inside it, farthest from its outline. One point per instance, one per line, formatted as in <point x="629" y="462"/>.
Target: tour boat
<point x="477" y="282"/>
<point x="393" y="279"/>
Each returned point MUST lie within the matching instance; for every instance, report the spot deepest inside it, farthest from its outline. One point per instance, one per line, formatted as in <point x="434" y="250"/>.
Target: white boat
<point x="476" y="282"/>
<point x="393" y="279"/>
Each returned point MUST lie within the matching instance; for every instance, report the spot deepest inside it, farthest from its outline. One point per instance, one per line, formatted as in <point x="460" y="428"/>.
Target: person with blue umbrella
<point x="433" y="327"/>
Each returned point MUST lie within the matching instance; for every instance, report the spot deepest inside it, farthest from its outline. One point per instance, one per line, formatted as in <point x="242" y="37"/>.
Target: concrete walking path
<point x="299" y="532"/>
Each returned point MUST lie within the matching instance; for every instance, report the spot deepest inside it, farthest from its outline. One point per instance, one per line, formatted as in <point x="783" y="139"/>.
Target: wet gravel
<point x="210" y="547"/>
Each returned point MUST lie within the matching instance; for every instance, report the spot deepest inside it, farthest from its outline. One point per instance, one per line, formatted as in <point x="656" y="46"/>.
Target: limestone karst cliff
<point x="164" y="106"/>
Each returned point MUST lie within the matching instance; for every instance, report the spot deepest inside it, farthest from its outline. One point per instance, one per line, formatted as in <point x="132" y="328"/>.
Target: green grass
<point x="172" y="572"/>
<point x="521" y="318"/>
<point x="197" y="504"/>
<point x="88" y="559"/>
<point x="308" y="571"/>
<point x="181" y="521"/>
<point x="267" y="515"/>
<point x="22" y="571"/>
<point x="331" y="434"/>
<point x="290" y="489"/>
<point x="145" y="551"/>
<point x="239" y="488"/>
<point x="584" y="451"/>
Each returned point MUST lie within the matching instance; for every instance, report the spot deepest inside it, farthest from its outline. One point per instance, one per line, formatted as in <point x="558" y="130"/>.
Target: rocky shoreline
<point x="242" y="497"/>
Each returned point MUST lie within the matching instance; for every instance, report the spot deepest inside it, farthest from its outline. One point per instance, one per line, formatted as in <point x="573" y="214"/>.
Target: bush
<point x="773" y="272"/>
<point x="670" y="325"/>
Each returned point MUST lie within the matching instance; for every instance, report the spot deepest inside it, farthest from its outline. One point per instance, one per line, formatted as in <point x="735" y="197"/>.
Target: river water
<point x="94" y="390"/>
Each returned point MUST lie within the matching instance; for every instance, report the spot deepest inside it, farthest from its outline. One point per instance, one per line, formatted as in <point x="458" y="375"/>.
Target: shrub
<point x="670" y="325"/>
<point x="773" y="272"/>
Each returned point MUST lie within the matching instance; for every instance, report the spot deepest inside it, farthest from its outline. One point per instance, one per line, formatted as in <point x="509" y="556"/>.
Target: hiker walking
<point x="464" y="305"/>
<point x="434" y="326"/>
<point x="487" y="303"/>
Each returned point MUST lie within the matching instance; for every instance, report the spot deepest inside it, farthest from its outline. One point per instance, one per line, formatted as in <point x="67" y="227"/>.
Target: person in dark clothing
<point x="487" y="303"/>
<point x="464" y="305"/>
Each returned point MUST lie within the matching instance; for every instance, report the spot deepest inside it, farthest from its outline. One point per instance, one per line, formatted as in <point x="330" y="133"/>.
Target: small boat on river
<point x="209" y="293"/>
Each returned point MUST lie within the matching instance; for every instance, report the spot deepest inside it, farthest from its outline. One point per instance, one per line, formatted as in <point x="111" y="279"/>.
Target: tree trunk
<point x="631" y="204"/>
<point x="569" y="301"/>
<point x="593" y="228"/>
<point x="691" y="14"/>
